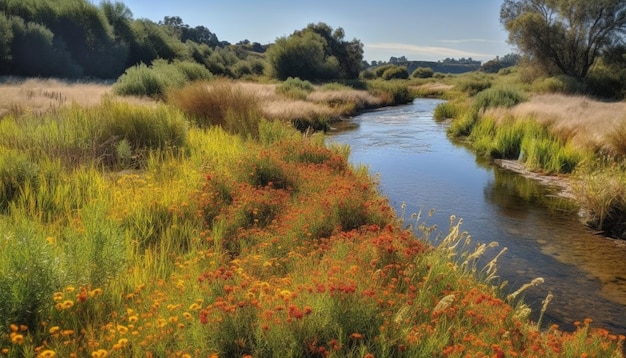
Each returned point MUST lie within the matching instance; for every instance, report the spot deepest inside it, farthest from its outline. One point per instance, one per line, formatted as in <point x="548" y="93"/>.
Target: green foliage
<point x="29" y="274"/>
<point x="160" y="77"/>
<point x="558" y="84"/>
<point x="81" y="135"/>
<point x="315" y="53"/>
<point x="17" y="172"/>
<point x="498" y="97"/>
<point x="462" y="126"/>
<point x="295" y="88"/>
<point x="367" y="75"/>
<point x="474" y="85"/>
<point x="423" y="72"/>
<point x="447" y="110"/>
<point x="564" y="37"/>
<point x="396" y="72"/>
<point x="392" y="92"/>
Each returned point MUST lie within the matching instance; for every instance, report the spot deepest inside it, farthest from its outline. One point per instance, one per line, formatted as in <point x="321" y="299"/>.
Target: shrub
<point x="558" y="84"/>
<point x="29" y="274"/>
<point x="447" y="110"/>
<point x="219" y="103"/>
<point x="295" y="88"/>
<point x="423" y="72"/>
<point x="473" y="86"/>
<point x="367" y="75"/>
<point x="498" y="97"/>
<point x="161" y="76"/>
<point x="396" y="72"/>
<point x="392" y="92"/>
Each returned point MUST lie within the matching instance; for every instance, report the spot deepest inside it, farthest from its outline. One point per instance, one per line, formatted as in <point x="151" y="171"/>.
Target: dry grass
<point x="40" y="96"/>
<point x="327" y="104"/>
<point x="586" y="122"/>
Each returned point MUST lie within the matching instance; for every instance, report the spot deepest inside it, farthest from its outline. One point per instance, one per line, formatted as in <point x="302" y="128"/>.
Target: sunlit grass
<point x="230" y="245"/>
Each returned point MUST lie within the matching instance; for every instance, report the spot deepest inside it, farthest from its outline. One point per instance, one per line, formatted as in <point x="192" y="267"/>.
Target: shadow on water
<point x="420" y="168"/>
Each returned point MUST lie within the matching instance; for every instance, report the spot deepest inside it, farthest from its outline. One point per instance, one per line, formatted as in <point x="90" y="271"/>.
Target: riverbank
<point x="574" y="142"/>
<point x="156" y="233"/>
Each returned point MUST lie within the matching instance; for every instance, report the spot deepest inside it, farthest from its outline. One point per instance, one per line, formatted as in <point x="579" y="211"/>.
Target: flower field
<point x="211" y="244"/>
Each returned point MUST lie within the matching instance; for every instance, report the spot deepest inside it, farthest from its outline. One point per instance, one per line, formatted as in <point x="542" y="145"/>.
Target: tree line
<point x="77" y="39"/>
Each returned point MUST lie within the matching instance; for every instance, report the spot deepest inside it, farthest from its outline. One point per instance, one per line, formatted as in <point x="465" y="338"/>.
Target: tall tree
<point x="565" y="36"/>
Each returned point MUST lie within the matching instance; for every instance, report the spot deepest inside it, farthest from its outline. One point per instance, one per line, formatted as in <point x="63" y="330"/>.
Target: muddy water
<point x="420" y="167"/>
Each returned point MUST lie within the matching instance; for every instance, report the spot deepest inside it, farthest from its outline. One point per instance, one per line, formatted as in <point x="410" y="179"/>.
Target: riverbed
<point x="421" y="169"/>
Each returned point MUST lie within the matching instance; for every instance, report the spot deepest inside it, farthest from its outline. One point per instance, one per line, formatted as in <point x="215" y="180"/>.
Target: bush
<point x="558" y="84"/>
<point x="474" y="85"/>
<point x="392" y="92"/>
<point x="367" y="75"/>
<point x="295" y="88"/>
<point x="396" y="72"/>
<point x="447" y="110"/>
<point x="219" y="103"/>
<point x="423" y="72"/>
<point x="498" y="97"/>
<point x="156" y="80"/>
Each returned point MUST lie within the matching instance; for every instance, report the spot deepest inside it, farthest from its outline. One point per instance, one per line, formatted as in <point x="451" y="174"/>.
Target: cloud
<point x="464" y="41"/>
<point x="383" y="50"/>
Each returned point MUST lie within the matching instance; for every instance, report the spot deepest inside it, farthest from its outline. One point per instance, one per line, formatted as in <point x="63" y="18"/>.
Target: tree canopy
<point x="316" y="52"/>
<point x="564" y="36"/>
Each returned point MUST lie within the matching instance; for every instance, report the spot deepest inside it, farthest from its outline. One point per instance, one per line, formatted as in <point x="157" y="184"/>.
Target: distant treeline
<point x="74" y="38"/>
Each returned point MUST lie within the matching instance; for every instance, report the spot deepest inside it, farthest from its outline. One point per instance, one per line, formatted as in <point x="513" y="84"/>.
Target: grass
<point x="272" y="245"/>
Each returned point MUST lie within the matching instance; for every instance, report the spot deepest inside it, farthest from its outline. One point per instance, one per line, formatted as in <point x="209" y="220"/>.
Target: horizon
<point x="454" y="28"/>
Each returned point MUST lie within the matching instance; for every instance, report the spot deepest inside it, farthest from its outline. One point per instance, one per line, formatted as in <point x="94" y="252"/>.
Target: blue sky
<point x="417" y="29"/>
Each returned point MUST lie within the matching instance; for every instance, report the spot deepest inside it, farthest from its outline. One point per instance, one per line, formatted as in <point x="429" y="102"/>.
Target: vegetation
<point x="227" y="244"/>
<point x="564" y="37"/>
<point x="315" y="53"/>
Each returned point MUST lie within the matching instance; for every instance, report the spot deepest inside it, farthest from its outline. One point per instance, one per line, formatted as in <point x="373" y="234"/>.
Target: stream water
<point x="420" y="167"/>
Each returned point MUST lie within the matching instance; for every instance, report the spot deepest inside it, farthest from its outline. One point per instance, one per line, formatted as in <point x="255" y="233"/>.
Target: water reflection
<point x="420" y="167"/>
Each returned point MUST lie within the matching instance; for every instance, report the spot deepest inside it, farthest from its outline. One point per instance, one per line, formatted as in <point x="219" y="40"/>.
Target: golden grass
<point x="588" y="123"/>
<point x="43" y="95"/>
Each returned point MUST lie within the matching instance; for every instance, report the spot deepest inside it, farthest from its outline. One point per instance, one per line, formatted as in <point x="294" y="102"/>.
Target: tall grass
<point x="239" y="245"/>
<point x="219" y="103"/>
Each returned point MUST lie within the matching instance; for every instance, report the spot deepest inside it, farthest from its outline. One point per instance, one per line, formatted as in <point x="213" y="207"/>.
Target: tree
<point x="316" y="52"/>
<point x="564" y="36"/>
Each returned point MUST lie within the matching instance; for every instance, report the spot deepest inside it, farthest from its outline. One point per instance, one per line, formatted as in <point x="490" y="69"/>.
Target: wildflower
<point x="14" y="327"/>
<point x="50" y="240"/>
<point x="67" y="332"/>
<point x="356" y="336"/>
<point x="4" y="351"/>
<point x="122" y="329"/>
<point x="48" y="353"/>
<point x="70" y="289"/>
<point x="57" y="296"/>
<point x="187" y="315"/>
<point x="95" y="292"/>
<point x="17" y="338"/>
<point x="100" y="353"/>
<point x="67" y="304"/>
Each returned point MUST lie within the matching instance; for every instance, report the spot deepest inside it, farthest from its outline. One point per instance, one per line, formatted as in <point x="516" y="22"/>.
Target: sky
<point x="426" y="30"/>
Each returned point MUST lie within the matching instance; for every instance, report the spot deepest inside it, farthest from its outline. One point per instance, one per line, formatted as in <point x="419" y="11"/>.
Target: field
<point x="135" y="228"/>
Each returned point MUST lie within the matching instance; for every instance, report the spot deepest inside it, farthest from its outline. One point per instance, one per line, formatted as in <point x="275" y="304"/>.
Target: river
<point x="421" y="168"/>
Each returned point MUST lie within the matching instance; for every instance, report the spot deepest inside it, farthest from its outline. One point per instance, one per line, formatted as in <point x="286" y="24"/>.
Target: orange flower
<point x="356" y="336"/>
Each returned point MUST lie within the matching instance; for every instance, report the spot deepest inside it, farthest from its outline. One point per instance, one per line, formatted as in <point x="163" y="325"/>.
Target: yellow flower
<point x="14" y="327"/>
<point x="67" y="332"/>
<point x="100" y="353"/>
<point x="70" y="289"/>
<point x="95" y="292"/>
<point x="194" y="307"/>
<point x="161" y="322"/>
<point x="50" y="240"/>
<point x="17" y="338"/>
<point x="133" y="319"/>
<point x="187" y="315"/>
<point x="54" y="329"/>
<point x="122" y="329"/>
<point x="47" y="354"/>
<point x="57" y="296"/>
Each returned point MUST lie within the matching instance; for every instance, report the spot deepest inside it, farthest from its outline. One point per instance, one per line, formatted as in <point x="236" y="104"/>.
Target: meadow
<point x="206" y="225"/>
